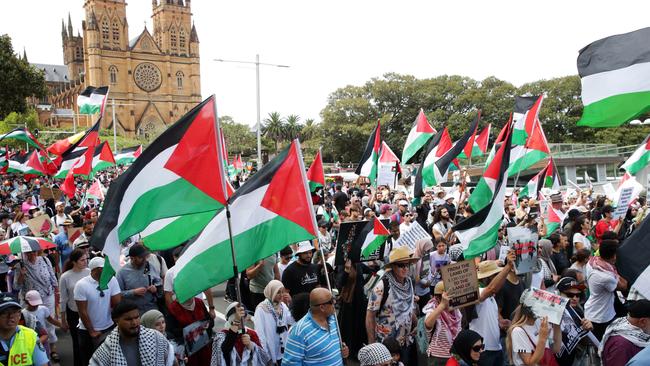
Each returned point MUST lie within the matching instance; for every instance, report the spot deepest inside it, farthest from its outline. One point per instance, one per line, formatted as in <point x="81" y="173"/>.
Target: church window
<point x="112" y="73"/>
<point x="172" y="39"/>
<point x="116" y="33"/>
<point x="181" y="40"/>
<point x="78" y="53"/>
<point x="105" y="32"/>
<point x="179" y="80"/>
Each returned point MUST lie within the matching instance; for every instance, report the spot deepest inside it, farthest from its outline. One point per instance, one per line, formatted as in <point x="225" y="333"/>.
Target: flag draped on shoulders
<point x="615" y="77"/>
<point x="639" y="159"/>
<point x="316" y="174"/>
<point x="369" y="163"/>
<point x="419" y="135"/>
<point x="529" y="143"/>
<point x="479" y="232"/>
<point x="169" y="193"/>
<point x="269" y="211"/>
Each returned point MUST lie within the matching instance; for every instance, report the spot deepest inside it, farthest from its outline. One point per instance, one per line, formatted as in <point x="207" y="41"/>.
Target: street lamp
<point x="257" y="64"/>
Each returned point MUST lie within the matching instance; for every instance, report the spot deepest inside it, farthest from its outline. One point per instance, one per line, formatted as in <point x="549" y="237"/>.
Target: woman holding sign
<point x="443" y="324"/>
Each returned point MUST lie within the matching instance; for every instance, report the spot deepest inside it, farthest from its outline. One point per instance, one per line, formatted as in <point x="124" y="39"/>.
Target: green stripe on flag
<point x="529" y="159"/>
<point x="89" y="108"/>
<point x="551" y="227"/>
<point x="178" y="231"/>
<point x="417" y="143"/>
<point x="615" y="110"/>
<point x="373" y="245"/>
<point x="313" y="186"/>
<point x="483" y="243"/>
<point x="639" y="164"/>
<point x="481" y="196"/>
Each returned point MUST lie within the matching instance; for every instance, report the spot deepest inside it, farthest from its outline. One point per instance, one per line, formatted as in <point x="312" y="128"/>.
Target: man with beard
<point x="301" y="276"/>
<point x="132" y="344"/>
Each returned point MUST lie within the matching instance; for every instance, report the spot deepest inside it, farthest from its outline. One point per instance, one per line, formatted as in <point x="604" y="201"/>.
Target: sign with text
<point x="386" y="175"/>
<point x="572" y="331"/>
<point x="546" y="304"/>
<point x="461" y="283"/>
<point x="623" y="203"/>
<point x="414" y="233"/>
<point x="543" y="207"/>
<point x="524" y="243"/>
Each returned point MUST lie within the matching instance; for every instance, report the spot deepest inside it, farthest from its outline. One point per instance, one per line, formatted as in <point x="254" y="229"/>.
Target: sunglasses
<point x="572" y="295"/>
<point x="330" y="302"/>
<point x="478" y="348"/>
<point x="402" y="265"/>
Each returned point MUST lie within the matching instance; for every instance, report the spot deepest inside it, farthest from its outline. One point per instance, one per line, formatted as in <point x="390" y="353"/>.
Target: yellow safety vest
<point x="21" y="350"/>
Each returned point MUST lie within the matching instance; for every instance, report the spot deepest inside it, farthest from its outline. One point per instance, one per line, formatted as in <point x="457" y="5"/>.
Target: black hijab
<point x="463" y="344"/>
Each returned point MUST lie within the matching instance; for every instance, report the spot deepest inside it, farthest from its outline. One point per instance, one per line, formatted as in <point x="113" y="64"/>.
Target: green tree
<point x="18" y="80"/>
<point x="274" y="128"/>
<point x="240" y="139"/>
<point x="293" y="128"/>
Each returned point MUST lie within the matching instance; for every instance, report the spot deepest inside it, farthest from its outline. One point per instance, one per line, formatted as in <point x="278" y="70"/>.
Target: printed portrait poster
<point x="196" y="336"/>
<point x="524" y="243"/>
<point x="572" y="331"/>
<point x="461" y="283"/>
<point x="546" y="304"/>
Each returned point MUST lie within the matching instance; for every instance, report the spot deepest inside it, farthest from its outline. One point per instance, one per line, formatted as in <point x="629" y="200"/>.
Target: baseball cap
<point x="33" y="298"/>
<point x="8" y="301"/>
<point x="138" y="250"/>
<point x="97" y="262"/>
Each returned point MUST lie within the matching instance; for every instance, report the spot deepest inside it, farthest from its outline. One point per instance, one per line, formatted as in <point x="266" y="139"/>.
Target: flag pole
<point x="217" y="135"/>
<point x="315" y="228"/>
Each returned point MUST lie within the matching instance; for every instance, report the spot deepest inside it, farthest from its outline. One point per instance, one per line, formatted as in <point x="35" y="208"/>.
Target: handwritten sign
<point x="623" y="203"/>
<point x="414" y="233"/>
<point x="545" y="304"/>
<point x="461" y="283"/>
<point x="524" y="243"/>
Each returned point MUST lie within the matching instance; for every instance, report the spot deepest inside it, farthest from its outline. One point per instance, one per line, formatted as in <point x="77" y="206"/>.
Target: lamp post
<point x="257" y="64"/>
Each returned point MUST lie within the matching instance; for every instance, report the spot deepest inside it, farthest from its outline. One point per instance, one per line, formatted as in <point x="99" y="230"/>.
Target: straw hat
<point x="401" y="255"/>
<point x="487" y="269"/>
<point x="439" y="289"/>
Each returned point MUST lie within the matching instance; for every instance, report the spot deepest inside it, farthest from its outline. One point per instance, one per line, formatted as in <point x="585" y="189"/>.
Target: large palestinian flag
<point x="529" y="143"/>
<point x="480" y="143"/>
<point x="546" y="178"/>
<point x="639" y="159"/>
<point x="439" y="157"/>
<point x="169" y="193"/>
<point x="270" y="211"/>
<point x="315" y="174"/>
<point x="615" y="77"/>
<point x="102" y="158"/>
<point x="479" y="232"/>
<point x="19" y="163"/>
<point x="92" y="100"/>
<point x="373" y="235"/>
<point x="419" y="135"/>
<point x="369" y="163"/>
<point x="128" y="155"/>
<point x="21" y="134"/>
<point x="78" y="161"/>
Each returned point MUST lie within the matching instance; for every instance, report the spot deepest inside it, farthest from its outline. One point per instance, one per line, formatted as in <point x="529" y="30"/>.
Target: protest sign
<point x="545" y="304"/>
<point x="461" y="283"/>
<point x="623" y="203"/>
<point x="386" y="175"/>
<point x="524" y="243"/>
<point x="196" y="336"/>
<point x="543" y="207"/>
<point x="503" y="253"/>
<point x="572" y="331"/>
<point x="74" y="233"/>
<point x="40" y="225"/>
<point x="348" y="244"/>
<point x="414" y="233"/>
<point x="47" y="193"/>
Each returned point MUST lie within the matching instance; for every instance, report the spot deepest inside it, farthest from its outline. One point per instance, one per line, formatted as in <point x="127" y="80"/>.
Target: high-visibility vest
<point x="21" y="350"/>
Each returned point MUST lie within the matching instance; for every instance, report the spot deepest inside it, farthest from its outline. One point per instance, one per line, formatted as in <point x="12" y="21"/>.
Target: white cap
<point x="304" y="246"/>
<point x="403" y="203"/>
<point x="97" y="262"/>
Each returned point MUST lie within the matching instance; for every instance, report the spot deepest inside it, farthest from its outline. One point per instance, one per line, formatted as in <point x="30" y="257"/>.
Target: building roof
<point x="54" y="73"/>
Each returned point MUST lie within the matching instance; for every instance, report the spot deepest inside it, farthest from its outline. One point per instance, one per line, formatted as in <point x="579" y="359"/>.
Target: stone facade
<point x="154" y="77"/>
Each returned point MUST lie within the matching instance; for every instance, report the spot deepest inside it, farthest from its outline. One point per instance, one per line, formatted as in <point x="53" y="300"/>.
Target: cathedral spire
<point x="194" y="37"/>
<point x="92" y="22"/>
<point x="63" y="32"/>
<point x="70" y="34"/>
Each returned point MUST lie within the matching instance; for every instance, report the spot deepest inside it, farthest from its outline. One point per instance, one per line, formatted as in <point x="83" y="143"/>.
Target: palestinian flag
<point x="499" y="140"/>
<point x="127" y="156"/>
<point x="480" y="143"/>
<point x="554" y="220"/>
<point x="69" y="187"/>
<point x="369" y="163"/>
<point x="169" y="193"/>
<point x="4" y="160"/>
<point x="95" y="191"/>
<point x="546" y="178"/>
<point x="102" y="158"/>
<point x="36" y="161"/>
<point x="315" y="174"/>
<point x="92" y="100"/>
<point x="479" y="232"/>
<point x="269" y="211"/>
<point x="237" y="163"/>
<point x="615" y="77"/>
<point x="79" y="162"/>
<point x="441" y="156"/>
<point x="418" y="137"/>
<point x="21" y="134"/>
<point x="373" y="235"/>
<point x="388" y="157"/>
<point x="529" y="143"/>
<point x="19" y="163"/>
<point x="24" y="244"/>
<point x="639" y="159"/>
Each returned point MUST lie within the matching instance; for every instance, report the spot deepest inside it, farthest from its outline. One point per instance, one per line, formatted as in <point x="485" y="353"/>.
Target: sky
<point x="335" y="43"/>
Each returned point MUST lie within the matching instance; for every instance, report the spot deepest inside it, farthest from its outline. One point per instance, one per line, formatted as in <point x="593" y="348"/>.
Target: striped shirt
<point x="311" y="344"/>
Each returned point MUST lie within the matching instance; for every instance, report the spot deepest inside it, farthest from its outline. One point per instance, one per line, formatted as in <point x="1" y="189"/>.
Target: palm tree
<point x="308" y="129"/>
<point x="293" y="127"/>
<point x="274" y="128"/>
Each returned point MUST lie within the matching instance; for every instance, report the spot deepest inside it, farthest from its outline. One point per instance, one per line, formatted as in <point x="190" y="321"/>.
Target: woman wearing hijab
<point x="444" y="325"/>
<point x="422" y="273"/>
<point x="237" y="345"/>
<point x="154" y="319"/>
<point x="272" y="321"/>
<point x="546" y="263"/>
<point x="466" y="349"/>
<point x="192" y="317"/>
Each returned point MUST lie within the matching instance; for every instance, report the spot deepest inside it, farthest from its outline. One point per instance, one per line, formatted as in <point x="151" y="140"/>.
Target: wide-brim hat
<point x="487" y="269"/>
<point x="439" y="289"/>
<point x="304" y="246"/>
<point x="67" y="222"/>
<point x="401" y="254"/>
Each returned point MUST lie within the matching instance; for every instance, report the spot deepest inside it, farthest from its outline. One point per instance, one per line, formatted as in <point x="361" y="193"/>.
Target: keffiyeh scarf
<point x="622" y="327"/>
<point x="403" y="300"/>
<point x="153" y="347"/>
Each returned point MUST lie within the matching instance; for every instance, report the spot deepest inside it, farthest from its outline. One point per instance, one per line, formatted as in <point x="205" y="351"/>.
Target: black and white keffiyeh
<point x="374" y="354"/>
<point x="153" y="346"/>
<point x="623" y="328"/>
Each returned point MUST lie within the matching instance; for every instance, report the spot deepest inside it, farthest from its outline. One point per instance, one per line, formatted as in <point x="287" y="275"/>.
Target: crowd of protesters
<point x="393" y="310"/>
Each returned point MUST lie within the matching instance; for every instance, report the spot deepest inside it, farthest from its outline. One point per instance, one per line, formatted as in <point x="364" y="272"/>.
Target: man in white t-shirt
<point x="60" y="217"/>
<point x="491" y="277"/>
<point x="94" y="306"/>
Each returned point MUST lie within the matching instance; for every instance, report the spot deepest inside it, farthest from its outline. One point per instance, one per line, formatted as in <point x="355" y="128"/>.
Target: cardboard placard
<point x="47" y="193"/>
<point x="524" y="243"/>
<point x="40" y="225"/>
<point x="624" y="200"/>
<point x="386" y="175"/>
<point x="414" y="233"/>
<point x="546" y="304"/>
<point x="461" y="283"/>
<point x="74" y="233"/>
